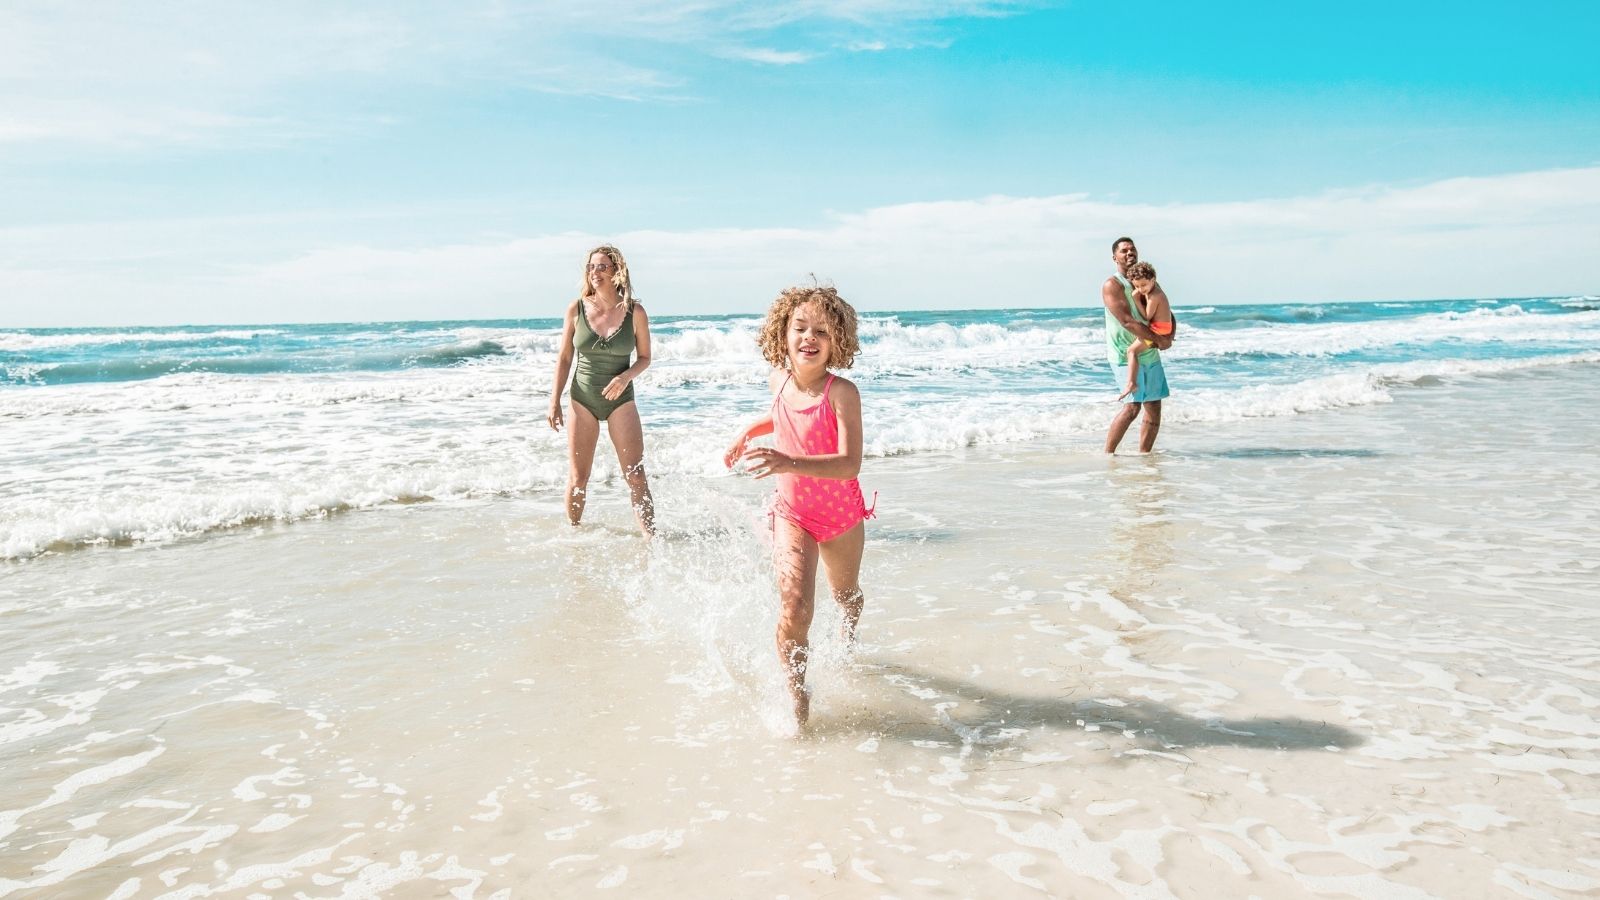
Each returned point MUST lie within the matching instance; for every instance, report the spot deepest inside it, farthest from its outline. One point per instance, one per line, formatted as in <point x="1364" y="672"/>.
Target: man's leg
<point x="1119" y="426"/>
<point x="1149" y="426"/>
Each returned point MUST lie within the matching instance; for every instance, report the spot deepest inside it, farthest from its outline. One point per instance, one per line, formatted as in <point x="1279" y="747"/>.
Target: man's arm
<point x="1116" y="301"/>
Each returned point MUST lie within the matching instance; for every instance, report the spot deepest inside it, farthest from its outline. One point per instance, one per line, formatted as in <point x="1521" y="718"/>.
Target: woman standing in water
<point x="610" y="333"/>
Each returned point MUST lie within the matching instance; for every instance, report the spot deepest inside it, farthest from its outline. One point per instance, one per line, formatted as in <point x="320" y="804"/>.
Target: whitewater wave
<point x="495" y="444"/>
<point x="21" y="341"/>
<point x="222" y="361"/>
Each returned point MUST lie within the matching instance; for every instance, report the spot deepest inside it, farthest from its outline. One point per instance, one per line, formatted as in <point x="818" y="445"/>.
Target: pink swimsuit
<point x="824" y="507"/>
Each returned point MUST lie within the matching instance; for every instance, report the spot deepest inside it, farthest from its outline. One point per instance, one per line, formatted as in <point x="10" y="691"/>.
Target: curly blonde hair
<point x="773" y="339"/>
<point x="619" y="276"/>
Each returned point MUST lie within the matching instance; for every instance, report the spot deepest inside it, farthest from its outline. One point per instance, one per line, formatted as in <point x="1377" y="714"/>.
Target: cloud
<point x="770" y="57"/>
<point x="177" y="73"/>
<point x="1511" y="235"/>
<point x="113" y="125"/>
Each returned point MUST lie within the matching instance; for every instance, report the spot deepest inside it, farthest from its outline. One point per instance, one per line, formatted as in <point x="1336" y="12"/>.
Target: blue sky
<point x="170" y="163"/>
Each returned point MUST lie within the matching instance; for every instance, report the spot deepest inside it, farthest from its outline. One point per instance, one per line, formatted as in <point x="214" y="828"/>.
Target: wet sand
<point x="1349" y="653"/>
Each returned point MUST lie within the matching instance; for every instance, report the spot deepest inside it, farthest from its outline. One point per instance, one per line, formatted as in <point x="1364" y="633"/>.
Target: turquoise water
<point x="141" y="434"/>
<point x="1368" y="332"/>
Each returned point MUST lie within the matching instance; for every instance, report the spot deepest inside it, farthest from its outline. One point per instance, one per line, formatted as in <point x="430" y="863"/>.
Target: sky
<point x="169" y="163"/>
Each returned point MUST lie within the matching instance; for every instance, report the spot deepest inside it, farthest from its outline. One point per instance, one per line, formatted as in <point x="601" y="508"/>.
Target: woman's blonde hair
<point x="773" y="339"/>
<point x="619" y="275"/>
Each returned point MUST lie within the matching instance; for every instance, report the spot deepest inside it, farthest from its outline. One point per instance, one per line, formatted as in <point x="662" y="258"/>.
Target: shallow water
<point x="1346" y="653"/>
<point x="150" y="435"/>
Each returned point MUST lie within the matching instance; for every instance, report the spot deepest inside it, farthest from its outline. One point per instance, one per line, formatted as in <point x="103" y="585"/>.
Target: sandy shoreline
<point x="1344" y="654"/>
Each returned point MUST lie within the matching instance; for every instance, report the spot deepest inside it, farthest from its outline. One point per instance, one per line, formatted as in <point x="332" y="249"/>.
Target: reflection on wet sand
<point x="1141" y="529"/>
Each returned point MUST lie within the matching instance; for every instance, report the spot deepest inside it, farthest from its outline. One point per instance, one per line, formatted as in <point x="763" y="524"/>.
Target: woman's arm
<point x="641" y="355"/>
<point x="563" y="367"/>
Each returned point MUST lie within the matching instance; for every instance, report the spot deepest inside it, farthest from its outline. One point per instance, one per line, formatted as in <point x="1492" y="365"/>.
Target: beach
<point x="420" y="426"/>
<point x="1336" y="638"/>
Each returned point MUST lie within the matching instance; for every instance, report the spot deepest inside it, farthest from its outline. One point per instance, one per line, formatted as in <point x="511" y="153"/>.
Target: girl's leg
<point x="842" y="557"/>
<point x="795" y="558"/>
<point x="1133" y="368"/>
<point x="627" y="436"/>
<point x="583" y="430"/>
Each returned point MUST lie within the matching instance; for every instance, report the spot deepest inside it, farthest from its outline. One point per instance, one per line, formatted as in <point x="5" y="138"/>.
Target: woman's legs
<point x="795" y="558"/>
<point x="583" y="431"/>
<point x="627" y="437"/>
<point x="842" y="557"/>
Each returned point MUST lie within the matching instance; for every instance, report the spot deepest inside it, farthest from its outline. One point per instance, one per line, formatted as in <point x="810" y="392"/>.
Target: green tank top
<point x="1119" y="339"/>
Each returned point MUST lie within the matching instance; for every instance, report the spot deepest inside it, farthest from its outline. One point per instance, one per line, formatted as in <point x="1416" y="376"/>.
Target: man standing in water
<point x="1125" y="324"/>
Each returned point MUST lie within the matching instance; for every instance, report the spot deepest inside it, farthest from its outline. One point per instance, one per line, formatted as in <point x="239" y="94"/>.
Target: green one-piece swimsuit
<point x="601" y="359"/>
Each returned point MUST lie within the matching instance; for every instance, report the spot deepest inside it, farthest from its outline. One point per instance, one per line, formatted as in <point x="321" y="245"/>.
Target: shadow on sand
<point x="1145" y="723"/>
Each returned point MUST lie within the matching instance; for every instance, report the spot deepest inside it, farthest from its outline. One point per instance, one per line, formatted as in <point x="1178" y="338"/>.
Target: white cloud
<point x="181" y="73"/>
<point x="770" y="57"/>
<point x="1513" y="235"/>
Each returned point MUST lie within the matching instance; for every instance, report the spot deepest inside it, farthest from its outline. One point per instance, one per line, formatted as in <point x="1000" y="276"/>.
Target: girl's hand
<point x="614" y="388"/>
<point x="734" y="451"/>
<point x="764" y="461"/>
<point x="554" y="418"/>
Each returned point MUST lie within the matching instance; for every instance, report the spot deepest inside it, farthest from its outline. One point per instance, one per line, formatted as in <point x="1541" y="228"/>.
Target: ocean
<point x="157" y="434"/>
<point x="294" y="611"/>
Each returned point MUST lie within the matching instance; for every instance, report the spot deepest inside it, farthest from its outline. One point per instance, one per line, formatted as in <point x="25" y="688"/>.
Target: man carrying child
<point x="1139" y="325"/>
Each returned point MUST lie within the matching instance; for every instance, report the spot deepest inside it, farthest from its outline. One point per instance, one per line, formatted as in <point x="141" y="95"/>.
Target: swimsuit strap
<point x="825" y="387"/>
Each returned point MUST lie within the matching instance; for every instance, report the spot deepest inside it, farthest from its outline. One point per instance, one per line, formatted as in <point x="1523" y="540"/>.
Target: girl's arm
<point x="563" y="367"/>
<point x="844" y="464"/>
<point x="759" y="427"/>
<point x="641" y="350"/>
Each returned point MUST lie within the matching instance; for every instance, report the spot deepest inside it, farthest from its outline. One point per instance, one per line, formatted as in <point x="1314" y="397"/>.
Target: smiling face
<point x="599" y="271"/>
<point x="1124" y="254"/>
<point x="810" y="337"/>
<point x="806" y="323"/>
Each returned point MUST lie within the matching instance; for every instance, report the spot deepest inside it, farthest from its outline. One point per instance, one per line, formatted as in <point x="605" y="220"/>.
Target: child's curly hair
<point x="773" y="339"/>
<point x="1142" y="271"/>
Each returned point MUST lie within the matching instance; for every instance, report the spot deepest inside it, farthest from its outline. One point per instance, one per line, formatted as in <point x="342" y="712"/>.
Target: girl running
<point x="818" y="511"/>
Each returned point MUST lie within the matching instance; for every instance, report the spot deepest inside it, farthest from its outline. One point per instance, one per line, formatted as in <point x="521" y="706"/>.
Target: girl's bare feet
<point x="850" y="605"/>
<point x="801" y="695"/>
